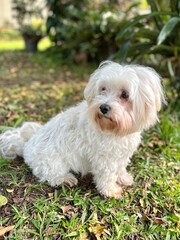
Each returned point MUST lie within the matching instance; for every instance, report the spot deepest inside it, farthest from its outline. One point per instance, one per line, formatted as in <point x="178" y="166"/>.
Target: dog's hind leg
<point x="51" y="168"/>
<point x="12" y="141"/>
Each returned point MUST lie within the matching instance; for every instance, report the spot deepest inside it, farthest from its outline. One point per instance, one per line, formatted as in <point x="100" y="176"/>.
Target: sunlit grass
<point x="11" y="45"/>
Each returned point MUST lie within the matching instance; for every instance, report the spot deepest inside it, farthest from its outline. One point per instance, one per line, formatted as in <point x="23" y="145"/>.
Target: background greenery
<point x="109" y="29"/>
<point x="35" y="87"/>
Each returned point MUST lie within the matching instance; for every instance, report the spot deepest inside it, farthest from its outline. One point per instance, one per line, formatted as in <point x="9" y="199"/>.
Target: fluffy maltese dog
<point x="97" y="136"/>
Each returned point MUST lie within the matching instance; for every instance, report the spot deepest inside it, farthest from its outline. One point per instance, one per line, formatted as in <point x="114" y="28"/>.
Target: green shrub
<point x="154" y="34"/>
<point x="28" y="14"/>
<point x="107" y="30"/>
<point x="86" y="27"/>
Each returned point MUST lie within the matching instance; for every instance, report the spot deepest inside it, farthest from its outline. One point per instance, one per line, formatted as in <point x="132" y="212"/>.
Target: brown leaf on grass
<point x="158" y="221"/>
<point x="48" y="232"/>
<point x="147" y="210"/>
<point x="65" y="208"/>
<point x="30" y="198"/>
<point x="83" y="236"/>
<point x="148" y="218"/>
<point x="16" y="200"/>
<point x="145" y="217"/>
<point x="5" y="230"/>
<point x="50" y="195"/>
<point x="147" y="184"/>
<point x="141" y="201"/>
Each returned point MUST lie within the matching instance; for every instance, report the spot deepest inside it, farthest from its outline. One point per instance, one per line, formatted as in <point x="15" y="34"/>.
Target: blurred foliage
<point x="154" y="38"/>
<point x="9" y="34"/>
<point x="86" y="30"/>
<point x="96" y="30"/>
<point x="28" y="14"/>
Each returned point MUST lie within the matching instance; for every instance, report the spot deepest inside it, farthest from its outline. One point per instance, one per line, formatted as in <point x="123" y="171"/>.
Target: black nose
<point x="105" y="108"/>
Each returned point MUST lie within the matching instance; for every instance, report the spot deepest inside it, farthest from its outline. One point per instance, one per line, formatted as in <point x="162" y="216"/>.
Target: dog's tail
<point x="12" y="141"/>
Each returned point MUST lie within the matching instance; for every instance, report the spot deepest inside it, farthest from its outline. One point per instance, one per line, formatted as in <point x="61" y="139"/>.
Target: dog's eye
<point x="103" y="89"/>
<point x="124" y="95"/>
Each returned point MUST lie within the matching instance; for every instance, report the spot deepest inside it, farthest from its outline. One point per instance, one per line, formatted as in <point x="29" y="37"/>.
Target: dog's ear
<point x="150" y="95"/>
<point x="150" y="85"/>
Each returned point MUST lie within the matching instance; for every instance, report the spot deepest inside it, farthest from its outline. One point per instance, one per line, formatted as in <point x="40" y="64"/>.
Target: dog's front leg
<point x="124" y="178"/>
<point x="107" y="184"/>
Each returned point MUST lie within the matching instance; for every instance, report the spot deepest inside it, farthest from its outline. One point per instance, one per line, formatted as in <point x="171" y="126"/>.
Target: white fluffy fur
<point x="83" y="139"/>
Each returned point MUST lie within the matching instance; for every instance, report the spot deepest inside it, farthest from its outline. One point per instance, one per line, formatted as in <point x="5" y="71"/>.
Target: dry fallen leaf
<point x="8" y="189"/>
<point x="50" y="195"/>
<point x="5" y="230"/>
<point x="49" y="230"/>
<point x="97" y="230"/>
<point x="142" y="202"/>
<point x="158" y="221"/>
<point x="83" y="236"/>
<point x="65" y="208"/>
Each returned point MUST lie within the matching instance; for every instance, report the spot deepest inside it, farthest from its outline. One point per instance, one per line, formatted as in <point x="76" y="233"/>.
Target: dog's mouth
<point x="107" y="123"/>
<point x="101" y="116"/>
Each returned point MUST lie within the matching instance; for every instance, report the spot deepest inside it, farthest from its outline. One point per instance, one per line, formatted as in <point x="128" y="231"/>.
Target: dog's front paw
<point x="68" y="180"/>
<point x="113" y="191"/>
<point x="125" y="179"/>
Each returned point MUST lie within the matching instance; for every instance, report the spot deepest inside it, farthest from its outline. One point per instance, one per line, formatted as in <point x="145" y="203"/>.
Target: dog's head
<point x="124" y="99"/>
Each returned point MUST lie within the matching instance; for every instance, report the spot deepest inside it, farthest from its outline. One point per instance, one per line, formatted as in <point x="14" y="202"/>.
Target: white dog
<point x="97" y="136"/>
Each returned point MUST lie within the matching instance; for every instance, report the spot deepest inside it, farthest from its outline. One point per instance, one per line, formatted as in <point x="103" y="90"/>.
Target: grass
<point x="36" y="87"/>
<point x="10" y="40"/>
<point x="19" y="45"/>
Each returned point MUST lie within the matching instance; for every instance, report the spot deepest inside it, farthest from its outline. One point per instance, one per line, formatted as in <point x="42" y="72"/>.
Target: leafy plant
<point x="86" y="27"/>
<point x="156" y="33"/>
<point x="28" y="14"/>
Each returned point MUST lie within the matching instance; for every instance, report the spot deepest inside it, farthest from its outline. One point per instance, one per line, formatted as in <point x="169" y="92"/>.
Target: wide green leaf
<point x="167" y="29"/>
<point x="137" y="20"/>
<point x="165" y="50"/>
<point x="147" y="33"/>
<point x="137" y="49"/>
<point x="156" y="8"/>
<point x="123" y="49"/>
<point x="140" y="47"/>
<point x="174" y="5"/>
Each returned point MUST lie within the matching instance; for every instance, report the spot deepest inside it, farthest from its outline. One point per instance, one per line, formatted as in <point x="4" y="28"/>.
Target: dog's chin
<point x="113" y="124"/>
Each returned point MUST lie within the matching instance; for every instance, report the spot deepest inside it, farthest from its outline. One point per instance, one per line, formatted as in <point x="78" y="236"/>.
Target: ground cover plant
<point x="33" y="87"/>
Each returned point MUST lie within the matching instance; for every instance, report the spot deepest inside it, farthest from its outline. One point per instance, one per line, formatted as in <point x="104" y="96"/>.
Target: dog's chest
<point x="115" y="147"/>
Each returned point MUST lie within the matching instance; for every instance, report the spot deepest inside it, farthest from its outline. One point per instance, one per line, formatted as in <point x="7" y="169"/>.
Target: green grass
<point x="11" y="40"/>
<point x="36" y="87"/>
<point x="9" y="45"/>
